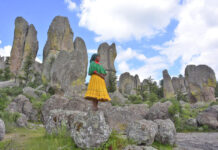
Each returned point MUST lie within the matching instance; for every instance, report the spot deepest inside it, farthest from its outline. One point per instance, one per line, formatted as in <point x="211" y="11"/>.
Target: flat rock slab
<point x="197" y="141"/>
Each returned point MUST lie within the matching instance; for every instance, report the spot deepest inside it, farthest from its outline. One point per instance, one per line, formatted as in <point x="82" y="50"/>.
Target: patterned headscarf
<point x="94" y="57"/>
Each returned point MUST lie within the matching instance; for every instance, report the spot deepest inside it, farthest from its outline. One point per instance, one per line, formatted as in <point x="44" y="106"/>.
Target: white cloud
<point x="127" y="19"/>
<point x="5" y="51"/>
<point x="146" y="67"/>
<point x="196" y="35"/>
<point x="92" y="51"/>
<point x="0" y="42"/>
<point x="70" y="5"/>
<point x="38" y="59"/>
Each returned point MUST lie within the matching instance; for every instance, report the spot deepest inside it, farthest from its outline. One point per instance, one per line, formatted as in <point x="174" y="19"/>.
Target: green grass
<point x="160" y="146"/>
<point x="37" y="139"/>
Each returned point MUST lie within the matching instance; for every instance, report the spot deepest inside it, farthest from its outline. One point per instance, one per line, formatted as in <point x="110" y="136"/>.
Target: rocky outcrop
<point x="31" y="92"/>
<point x="117" y="98"/>
<point x="159" y="111"/>
<point x="142" y="131"/>
<point x="22" y="104"/>
<point x="166" y="132"/>
<point x="91" y="130"/>
<point x="25" y="43"/>
<point x="21" y="121"/>
<point x="108" y="53"/>
<point x="209" y="117"/>
<point x="167" y="85"/>
<point x="128" y="84"/>
<point x="64" y="61"/>
<point x="2" y="129"/>
<point x="179" y="84"/>
<point x="201" y="83"/>
<point x="118" y="117"/>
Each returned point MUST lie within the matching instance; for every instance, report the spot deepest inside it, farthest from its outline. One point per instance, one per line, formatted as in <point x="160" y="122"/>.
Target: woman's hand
<point x="101" y="75"/>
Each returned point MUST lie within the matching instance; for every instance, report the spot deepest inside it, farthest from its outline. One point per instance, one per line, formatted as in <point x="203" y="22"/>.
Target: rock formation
<point x="167" y="85"/>
<point x="2" y="129"/>
<point x="25" y="43"/>
<point x="108" y="53"/>
<point x="179" y="84"/>
<point x="128" y="84"/>
<point x="64" y="61"/>
<point x="201" y="83"/>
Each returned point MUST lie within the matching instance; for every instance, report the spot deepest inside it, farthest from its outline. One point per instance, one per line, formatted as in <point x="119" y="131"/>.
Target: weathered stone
<point x="192" y="122"/>
<point x="142" y="131"/>
<point x="135" y="147"/>
<point x="32" y="92"/>
<point x="2" y="63"/>
<point x="2" y="129"/>
<point x="166" y="131"/>
<point x="209" y="117"/>
<point x="167" y="85"/>
<point x="10" y="83"/>
<point x="91" y="130"/>
<point x="108" y="54"/>
<point x="179" y="84"/>
<point x="57" y="119"/>
<point x="22" y="121"/>
<point x="20" y="32"/>
<point x="118" y="117"/>
<point x="22" y="104"/>
<point x="159" y="111"/>
<point x="63" y="59"/>
<point x="25" y="43"/>
<point x="201" y="83"/>
<point x="128" y="83"/>
<point x="117" y="98"/>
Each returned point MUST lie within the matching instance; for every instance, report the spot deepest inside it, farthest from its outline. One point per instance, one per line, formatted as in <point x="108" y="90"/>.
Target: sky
<point x="150" y="36"/>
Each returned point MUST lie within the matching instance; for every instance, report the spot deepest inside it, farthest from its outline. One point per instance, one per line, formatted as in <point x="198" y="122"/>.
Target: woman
<point x="96" y="88"/>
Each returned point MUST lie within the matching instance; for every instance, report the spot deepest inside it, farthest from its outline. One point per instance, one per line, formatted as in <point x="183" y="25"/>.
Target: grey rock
<point x="108" y="54"/>
<point x="10" y="83"/>
<point x="128" y="84"/>
<point x="57" y="119"/>
<point x="166" y="131"/>
<point x="2" y="129"/>
<point x="209" y="117"/>
<point x="135" y="147"/>
<point x="119" y="117"/>
<point x="90" y="131"/>
<point x="201" y="83"/>
<point x="167" y="85"/>
<point x="142" y="131"/>
<point x="117" y="98"/>
<point x="22" y="121"/>
<point x="33" y="92"/>
<point x="159" y="111"/>
<point x="192" y="122"/>
<point x="179" y="84"/>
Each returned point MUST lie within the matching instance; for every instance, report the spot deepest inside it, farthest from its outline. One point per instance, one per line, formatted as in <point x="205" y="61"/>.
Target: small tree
<point x="27" y="67"/>
<point x="7" y="72"/>
<point x="112" y="82"/>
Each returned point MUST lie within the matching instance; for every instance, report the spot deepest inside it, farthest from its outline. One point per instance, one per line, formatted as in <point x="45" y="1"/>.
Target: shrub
<point x="135" y="99"/>
<point x="11" y="91"/>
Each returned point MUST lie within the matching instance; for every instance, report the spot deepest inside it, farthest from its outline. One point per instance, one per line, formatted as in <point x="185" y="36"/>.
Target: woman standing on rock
<point x="97" y="90"/>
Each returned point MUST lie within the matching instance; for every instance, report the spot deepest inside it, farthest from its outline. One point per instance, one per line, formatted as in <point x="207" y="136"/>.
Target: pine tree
<point x="27" y="68"/>
<point x="112" y="82"/>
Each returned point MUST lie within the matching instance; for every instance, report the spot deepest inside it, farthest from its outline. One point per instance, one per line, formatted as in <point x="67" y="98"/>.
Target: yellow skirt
<point x="97" y="89"/>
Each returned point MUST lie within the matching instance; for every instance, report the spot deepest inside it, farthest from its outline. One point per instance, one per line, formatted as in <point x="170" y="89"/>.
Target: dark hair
<point x="94" y="57"/>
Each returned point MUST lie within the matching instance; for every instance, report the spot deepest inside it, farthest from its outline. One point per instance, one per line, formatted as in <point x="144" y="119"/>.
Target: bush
<point x="11" y="91"/>
<point x="135" y="99"/>
<point x="9" y="120"/>
<point x="4" y="101"/>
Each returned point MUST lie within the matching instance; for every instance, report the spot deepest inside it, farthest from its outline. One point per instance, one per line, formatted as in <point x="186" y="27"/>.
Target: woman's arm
<point x="99" y="74"/>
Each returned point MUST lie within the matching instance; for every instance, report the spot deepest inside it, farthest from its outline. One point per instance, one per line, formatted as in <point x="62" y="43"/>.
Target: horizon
<point x="149" y="36"/>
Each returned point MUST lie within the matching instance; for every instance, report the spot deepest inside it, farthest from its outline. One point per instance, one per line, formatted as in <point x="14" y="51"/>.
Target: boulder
<point x="159" y="111"/>
<point x="64" y="61"/>
<point x="166" y="131"/>
<point x="209" y="117"/>
<point x="119" y="117"/>
<point x="57" y="119"/>
<point x="91" y="130"/>
<point x="2" y="63"/>
<point x="128" y="84"/>
<point x="31" y="92"/>
<point x="192" y="122"/>
<point x="142" y="131"/>
<point x="2" y="129"/>
<point x="201" y="83"/>
<point x="10" y="83"/>
<point x="168" y="89"/>
<point x="135" y="147"/>
<point x="22" y="121"/>
<point x="25" y="43"/>
<point x="22" y="104"/>
<point x="108" y="54"/>
<point x="179" y="84"/>
<point x="117" y="98"/>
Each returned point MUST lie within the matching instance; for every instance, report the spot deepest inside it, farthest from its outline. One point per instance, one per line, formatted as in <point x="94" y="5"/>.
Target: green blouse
<point x="96" y="67"/>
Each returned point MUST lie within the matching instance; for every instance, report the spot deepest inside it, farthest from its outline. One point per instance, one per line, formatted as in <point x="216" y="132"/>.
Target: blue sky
<point x="150" y="35"/>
